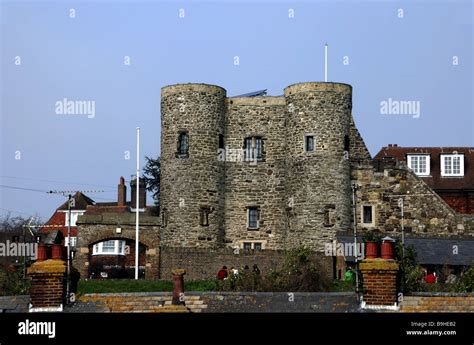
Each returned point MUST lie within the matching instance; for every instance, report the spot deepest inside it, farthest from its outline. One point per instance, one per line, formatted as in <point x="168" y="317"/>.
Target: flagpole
<point x="326" y="62"/>
<point x="137" y="254"/>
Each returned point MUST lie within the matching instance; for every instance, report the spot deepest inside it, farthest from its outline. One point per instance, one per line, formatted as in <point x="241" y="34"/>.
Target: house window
<point x="309" y="143"/>
<point x="183" y="143"/>
<point x="74" y="216"/>
<point x="73" y="241"/>
<point x="109" y="247"/>
<point x="257" y="246"/>
<point x="247" y="245"/>
<point x="420" y="164"/>
<point x="253" y="148"/>
<point x="452" y="165"/>
<point x="367" y="215"/>
<point x="253" y="215"/>
<point x="204" y="216"/>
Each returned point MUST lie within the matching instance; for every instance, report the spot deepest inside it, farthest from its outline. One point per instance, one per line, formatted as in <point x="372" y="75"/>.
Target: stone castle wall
<point x="294" y="190"/>
<point x="195" y="181"/>
<point x="425" y="213"/>
<point x="262" y="184"/>
<point x="318" y="182"/>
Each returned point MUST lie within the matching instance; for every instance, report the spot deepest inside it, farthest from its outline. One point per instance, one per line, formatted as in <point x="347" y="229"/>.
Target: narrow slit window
<point x="253" y="215"/>
<point x="309" y="143"/>
<point x="183" y="143"/>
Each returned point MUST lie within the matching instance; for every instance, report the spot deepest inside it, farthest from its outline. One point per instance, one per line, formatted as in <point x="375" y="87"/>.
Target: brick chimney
<point x="122" y="193"/>
<point x="142" y="191"/>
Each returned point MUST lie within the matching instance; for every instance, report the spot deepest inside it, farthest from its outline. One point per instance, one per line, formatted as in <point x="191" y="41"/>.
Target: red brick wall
<point x="461" y="203"/>
<point x="379" y="281"/>
<point x="59" y="218"/>
<point x="47" y="283"/>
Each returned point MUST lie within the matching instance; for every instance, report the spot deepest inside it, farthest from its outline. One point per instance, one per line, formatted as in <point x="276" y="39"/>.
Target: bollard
<point x="178" y="286"/>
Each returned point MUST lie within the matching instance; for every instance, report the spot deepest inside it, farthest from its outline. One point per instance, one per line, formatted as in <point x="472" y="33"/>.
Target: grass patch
<point x="125" y="285"/>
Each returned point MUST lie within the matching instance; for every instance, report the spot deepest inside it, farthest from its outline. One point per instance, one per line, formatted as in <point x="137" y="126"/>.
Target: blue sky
<point x="82" y="58"/>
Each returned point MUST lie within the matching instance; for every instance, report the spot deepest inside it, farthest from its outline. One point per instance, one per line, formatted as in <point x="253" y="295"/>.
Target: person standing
<point x="222" y="274"/>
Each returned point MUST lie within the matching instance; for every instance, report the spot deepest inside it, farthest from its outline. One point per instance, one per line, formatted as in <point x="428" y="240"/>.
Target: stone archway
<point x="114" y="258"/>
<point x="89" y="235"/>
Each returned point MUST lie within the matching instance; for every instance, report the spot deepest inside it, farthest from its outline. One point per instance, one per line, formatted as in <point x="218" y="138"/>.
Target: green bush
<point x="12" y="281"/>
<point x="298" y="273"/>
<point x="410" y="276"/>
<point x="466" y="283"/>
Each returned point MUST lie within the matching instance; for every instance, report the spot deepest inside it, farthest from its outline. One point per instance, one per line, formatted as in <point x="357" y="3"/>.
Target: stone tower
<point x="298" y="188"/>
<point x="192" y="126"/>
<point x="318" y="180"/>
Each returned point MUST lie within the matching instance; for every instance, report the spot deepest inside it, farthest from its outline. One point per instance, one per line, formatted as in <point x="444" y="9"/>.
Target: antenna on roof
<point x="71" y="202"/>
<point x="326" y="62"/>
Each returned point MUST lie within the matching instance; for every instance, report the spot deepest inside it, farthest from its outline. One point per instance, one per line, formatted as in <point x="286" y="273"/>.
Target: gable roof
<point x="81" y="202"/>
<point x="435" y="180"/>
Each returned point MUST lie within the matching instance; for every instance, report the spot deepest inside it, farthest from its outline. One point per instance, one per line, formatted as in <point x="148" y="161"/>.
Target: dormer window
<point x="452" y="164"/>
<point x="420" y="164"/>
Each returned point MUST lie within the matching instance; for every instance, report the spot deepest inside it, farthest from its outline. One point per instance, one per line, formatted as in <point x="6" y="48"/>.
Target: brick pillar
<point x="178" y="285"/>
<point x="48" y="285"/>
<point x="380" y="282"/>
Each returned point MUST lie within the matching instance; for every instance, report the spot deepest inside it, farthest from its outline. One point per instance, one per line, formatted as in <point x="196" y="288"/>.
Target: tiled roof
<point x="433" y="251"/>
<point x="435" y="180"/>
<point x="436" y="251"/>
<point x="81" y="202"/>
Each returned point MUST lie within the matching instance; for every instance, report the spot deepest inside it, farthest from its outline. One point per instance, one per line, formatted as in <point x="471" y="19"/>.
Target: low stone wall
<point x="440" y="302"/>
<point x="280" y="302"/>
<point x="221" y="302"/>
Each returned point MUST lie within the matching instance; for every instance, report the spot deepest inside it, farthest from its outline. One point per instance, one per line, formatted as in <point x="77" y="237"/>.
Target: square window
<point x="247" y="245"/>
<point x="420" y="164"/>
<point x="367" y="214"/>
<point x="108" y="246"/>
<point x="253" y="149"/>
<point x="257" y="246"/>
<point x="452" y="165"/>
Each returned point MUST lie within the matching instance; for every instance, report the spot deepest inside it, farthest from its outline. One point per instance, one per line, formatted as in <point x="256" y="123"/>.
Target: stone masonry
<point x="302" y="197"/>
<point x="96" y="228"/>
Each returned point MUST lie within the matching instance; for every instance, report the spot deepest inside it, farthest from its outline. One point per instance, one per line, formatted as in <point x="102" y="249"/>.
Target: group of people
<point x="431" y="277"/>
<point x="224" y="273"/>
